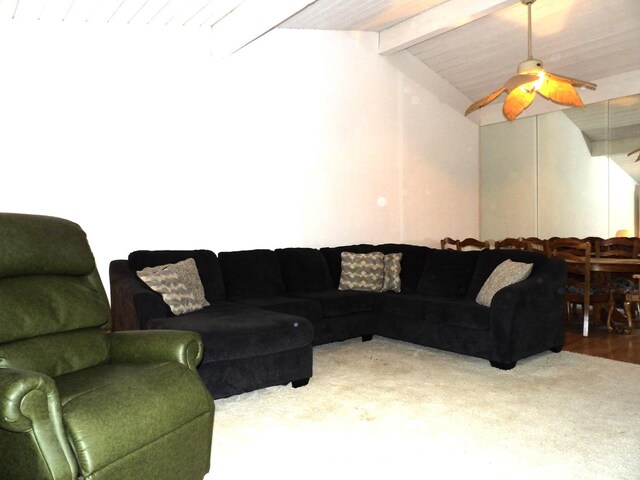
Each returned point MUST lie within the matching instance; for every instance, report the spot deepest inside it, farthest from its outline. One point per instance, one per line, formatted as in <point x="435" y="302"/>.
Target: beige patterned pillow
<point x="505" y="274"/>
<point x="392" y="272"/>
<point x="362" y="271"/>
<point x="178" y="283"/>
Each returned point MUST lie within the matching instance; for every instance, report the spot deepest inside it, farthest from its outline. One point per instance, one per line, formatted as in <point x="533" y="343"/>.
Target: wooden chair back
<point x="473" y="244"/>
<point x="449" y="244"/>
<point x="617" y="247"/>
<point x="536" y="244"/>
<point x="512" y="243"/>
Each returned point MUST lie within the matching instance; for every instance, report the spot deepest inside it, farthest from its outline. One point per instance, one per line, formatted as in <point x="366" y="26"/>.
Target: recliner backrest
<point x="54" y="312"/>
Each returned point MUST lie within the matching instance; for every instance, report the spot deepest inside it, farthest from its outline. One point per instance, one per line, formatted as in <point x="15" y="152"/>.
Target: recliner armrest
<point x="30" y="406"/>
<point x="144" y="346"/>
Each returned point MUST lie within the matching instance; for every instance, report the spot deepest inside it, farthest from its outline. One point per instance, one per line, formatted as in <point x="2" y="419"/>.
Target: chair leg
<point x="612" y="306"/>
<point x="627" y="312"/>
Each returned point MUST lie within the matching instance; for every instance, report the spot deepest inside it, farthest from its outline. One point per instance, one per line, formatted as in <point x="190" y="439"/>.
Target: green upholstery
<point x="78" y="401"/>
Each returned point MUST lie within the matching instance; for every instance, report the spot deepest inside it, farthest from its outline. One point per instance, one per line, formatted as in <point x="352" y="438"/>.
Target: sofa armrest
<point x="30" y="409"/>
<point x="529" y="314"/>
<point x="144" y="346"/>
<point x="132" y="303"/>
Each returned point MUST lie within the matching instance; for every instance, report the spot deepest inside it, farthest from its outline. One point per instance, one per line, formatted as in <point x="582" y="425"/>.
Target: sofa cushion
<point x="303" y="270"/>
<point x="488" y="260"/>
<point x="309" y="309"/>
<point x="362" y="271"/>
<point x="206" y="261"/>
<point x="411" y="265"/>
<point x="333" y="256"/>
<point x="341" y="302"/>
<point x="406" y="305"/>
<point x="505" y="274"/>
<point x="392" y="269"/>
<point x="447" y="273"/>
<point x="251" y="273"/>
<point x="457" y="312"/>
<point x="231" y="330"/>
<point x="178" y="283"/>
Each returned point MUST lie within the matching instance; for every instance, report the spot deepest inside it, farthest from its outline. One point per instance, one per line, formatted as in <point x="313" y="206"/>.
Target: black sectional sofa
<point x="269" y="307"/>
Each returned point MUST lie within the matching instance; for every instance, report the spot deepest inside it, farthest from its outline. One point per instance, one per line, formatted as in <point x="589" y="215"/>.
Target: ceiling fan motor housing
<point x="533" y="65"/>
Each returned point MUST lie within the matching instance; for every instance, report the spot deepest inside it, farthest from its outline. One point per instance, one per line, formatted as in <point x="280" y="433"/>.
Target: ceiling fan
<point x="531" y="79"/>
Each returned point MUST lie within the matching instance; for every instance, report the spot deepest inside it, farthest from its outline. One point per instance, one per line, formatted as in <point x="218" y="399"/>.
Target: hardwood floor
<point x="602" y="343"/>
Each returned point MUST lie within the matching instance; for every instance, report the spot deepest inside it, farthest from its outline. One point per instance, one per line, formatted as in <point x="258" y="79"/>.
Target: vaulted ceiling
<point x="473" y="44"/>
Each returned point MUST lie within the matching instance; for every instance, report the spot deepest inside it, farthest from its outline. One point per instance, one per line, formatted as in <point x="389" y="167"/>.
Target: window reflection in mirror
<point x="564" y="173"/>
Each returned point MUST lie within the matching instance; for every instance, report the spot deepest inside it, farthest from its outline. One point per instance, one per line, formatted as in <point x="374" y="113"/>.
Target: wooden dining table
<point x="606" y="265"/>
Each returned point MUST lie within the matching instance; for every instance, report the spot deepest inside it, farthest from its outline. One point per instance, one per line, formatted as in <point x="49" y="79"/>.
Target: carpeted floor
<point x="387" y="409"/>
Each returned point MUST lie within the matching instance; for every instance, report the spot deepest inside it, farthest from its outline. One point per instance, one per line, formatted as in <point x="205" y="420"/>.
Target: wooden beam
<point x="250" y="20"/>
<point x="435" y="21"/>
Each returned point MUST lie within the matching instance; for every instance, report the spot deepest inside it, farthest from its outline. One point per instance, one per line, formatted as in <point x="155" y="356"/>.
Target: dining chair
<point x="449" y="244"/>
<point x="473" y="244"/>
<point x="621" y="286"/>
<point x="512" y="243"/>
<point x="632" y="297"/>
<point x="582" y="288"/>
<point x="536" y="244"/>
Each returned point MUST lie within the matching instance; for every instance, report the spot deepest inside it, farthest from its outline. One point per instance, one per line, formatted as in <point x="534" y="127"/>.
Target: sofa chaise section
<point x="245" y="347"/>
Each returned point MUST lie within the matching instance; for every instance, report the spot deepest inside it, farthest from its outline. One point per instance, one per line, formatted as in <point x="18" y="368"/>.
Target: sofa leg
<point x="366" y="338"/>
<point x="502" y="365"/>
<point x="300" y="383"/>
<point x="557" y="349"/>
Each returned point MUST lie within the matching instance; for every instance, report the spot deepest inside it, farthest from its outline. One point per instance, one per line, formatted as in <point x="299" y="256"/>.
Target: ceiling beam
<point x="435" y="21"/>
<point x="249" y="21"/>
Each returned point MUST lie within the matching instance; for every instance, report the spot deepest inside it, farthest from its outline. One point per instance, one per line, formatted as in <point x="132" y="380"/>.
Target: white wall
<point x="303" y="138"/>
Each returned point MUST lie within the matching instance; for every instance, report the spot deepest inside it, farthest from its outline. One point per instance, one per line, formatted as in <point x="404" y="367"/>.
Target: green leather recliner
<point x="75" y="400"/>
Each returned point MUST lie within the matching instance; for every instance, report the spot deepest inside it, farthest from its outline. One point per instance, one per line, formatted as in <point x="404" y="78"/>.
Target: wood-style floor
<point x="602" y="343"/>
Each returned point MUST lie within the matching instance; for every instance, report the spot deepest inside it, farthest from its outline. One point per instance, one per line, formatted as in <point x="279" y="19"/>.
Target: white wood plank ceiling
<point x="473" y="44"/>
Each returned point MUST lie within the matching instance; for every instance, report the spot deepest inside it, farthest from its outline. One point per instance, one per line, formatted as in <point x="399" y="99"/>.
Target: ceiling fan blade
<point x="573" y="81"/>
<point x="519" y="80"/>
<point x="560" y="91"/>
<point x="516" y="102"/>
<point x="484" y="101"/>
<point x="635" y="151"/>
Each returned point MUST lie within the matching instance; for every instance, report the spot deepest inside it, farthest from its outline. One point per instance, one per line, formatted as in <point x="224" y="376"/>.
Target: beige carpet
<point x="392" y="410"/>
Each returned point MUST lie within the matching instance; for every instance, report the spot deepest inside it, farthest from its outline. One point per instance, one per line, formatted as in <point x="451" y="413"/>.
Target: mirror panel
<point x="556" y="174"/>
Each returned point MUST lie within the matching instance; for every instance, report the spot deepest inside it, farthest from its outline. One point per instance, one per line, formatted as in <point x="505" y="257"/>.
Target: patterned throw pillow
<point x="178" y="283"/>
<point x="362" y="271"/>
<point x="392" y="272"/>
<point x="505" y="274"/>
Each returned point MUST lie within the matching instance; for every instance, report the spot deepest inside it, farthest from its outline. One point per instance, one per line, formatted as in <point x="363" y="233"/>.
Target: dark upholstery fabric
<point x="227" y="377"/>
<point x="341" y="302"/>
<point x="411" y="265"/>
<point x="488" y="260"/>
<point x="447" y="273"/>
<point x="206" y="261"/>
<point x="334" y="260"/>
<point x="457" y="312"/>
<point x="405" y="305"/>
<point x="251" y="273"/>
<point x="303" y="270"/>
<point x="231" y="330"/>
<point x="309" y="309"/>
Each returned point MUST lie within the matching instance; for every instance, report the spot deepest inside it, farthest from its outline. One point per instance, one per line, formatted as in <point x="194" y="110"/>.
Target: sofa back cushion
<point x="447" y="273"/>
<point x="411" y="265"/>
<point x="251" y="273"/>
<point x="206" y="262"/>
<point x="333" y="256"/>
<point x="303" y="270"/>
<point x="488" y="260"/>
